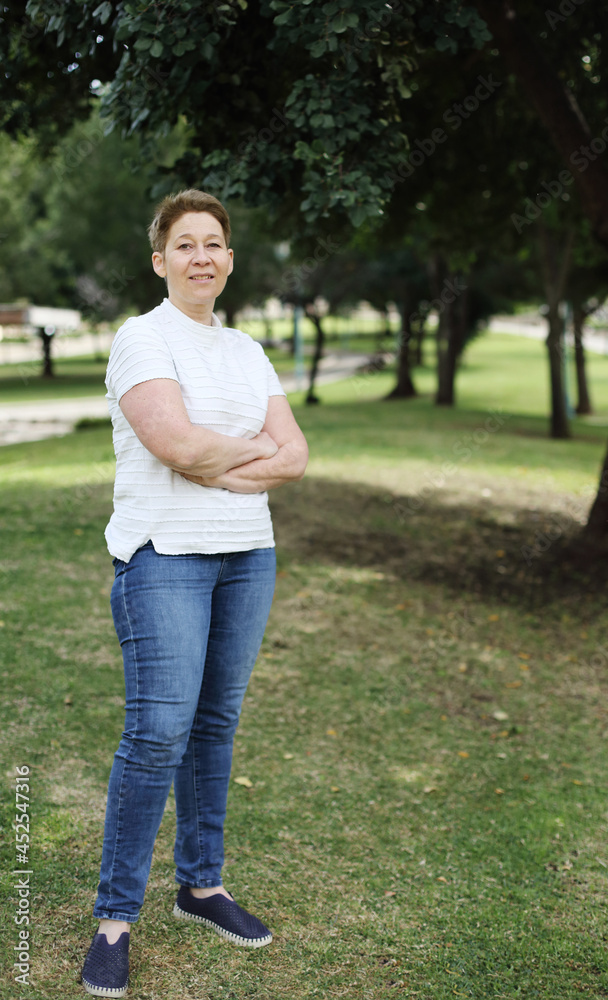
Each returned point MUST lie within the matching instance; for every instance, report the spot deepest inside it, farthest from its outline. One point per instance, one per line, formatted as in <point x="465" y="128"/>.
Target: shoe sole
<point x="227" y="935"/>
<point x="103" y="991"/>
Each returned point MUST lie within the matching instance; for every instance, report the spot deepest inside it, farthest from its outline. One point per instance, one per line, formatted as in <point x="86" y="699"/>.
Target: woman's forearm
<point x="156" y="412"/>
<point x="207" y="453"/>
<point x="260" y="475"/>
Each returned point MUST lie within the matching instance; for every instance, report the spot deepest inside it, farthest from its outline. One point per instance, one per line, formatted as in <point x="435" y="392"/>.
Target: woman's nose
<point x="200" y="254"/>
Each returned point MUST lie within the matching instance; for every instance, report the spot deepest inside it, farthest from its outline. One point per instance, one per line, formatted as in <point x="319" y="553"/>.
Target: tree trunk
<point x="560" y="425"/>
<point x="555" y="254"/>
<point x="446" y="369"/>
<point x="404" y="388"/>
<point x="451" y="338"/>
<point x="417" y="343"/>
<point x="319" y="343"/>
<point x="596" y="529"/>
<point x="47" y="360"/>
<point x="583" y="405"/>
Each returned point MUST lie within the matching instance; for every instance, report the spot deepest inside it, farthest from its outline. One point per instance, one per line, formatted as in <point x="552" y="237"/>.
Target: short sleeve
<point x="138" y="353"/>
<point x="274" y="386"/>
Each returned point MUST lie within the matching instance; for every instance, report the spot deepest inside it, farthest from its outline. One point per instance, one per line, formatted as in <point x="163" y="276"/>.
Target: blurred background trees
<point x="445" y="162"/>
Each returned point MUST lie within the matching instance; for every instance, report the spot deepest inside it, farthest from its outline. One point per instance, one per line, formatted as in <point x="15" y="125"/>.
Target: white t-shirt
<point x="226" y="380"/>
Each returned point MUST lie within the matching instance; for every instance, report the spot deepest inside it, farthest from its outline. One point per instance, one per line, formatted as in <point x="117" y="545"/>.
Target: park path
<point x="38" y="419"/>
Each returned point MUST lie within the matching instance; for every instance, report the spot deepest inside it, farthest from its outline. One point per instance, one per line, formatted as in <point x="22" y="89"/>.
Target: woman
<point x="202" y="429"/>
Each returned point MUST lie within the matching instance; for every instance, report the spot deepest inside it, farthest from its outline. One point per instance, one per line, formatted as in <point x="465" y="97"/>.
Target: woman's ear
<point x="158" y="263"/>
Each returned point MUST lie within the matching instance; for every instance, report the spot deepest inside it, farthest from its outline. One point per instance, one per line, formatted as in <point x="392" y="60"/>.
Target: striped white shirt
<point x="226" y="380"/>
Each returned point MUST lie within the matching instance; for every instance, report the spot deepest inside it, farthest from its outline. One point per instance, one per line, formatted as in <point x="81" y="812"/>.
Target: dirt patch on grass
<point x="513" y="551"/>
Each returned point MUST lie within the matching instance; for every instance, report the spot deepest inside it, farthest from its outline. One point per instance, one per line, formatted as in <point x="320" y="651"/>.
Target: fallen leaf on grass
<point x="493" y="618"/>
<point x="390" y="892"/>
<point x="245" y="782"/>
<point x="440" y="878"/>
<point x="335" y="788"/>
<point x="500" y="716"/>
<point x="331" y="732"/>
<point x="524" y="656"/>
<point x="462" y="753"/>
<point x="575" y="782"/>
<point x="287" y="756"/>
<point x="514" y="684"/>
<point x="499" y="791"/>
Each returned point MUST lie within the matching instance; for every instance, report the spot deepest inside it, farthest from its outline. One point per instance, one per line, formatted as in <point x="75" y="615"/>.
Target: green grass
<point x="424" y="732"/>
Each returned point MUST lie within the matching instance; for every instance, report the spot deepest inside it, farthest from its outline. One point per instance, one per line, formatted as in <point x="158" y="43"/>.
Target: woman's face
<point x="196" y="264"/>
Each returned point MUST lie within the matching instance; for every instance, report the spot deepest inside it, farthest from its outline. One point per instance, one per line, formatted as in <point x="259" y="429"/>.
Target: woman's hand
<point x="268" y="446"/>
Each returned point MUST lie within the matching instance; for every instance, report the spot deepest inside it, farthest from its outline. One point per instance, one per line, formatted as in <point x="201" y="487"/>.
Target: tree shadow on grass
<point x="528" y="556"/>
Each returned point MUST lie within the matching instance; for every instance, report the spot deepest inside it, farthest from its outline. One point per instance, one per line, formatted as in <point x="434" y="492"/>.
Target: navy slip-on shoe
<point x="106" y="968"/>
<point x="224" y="916"/>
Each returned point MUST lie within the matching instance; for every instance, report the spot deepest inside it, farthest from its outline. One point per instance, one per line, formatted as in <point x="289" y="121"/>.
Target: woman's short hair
<point x="174" y="206"/>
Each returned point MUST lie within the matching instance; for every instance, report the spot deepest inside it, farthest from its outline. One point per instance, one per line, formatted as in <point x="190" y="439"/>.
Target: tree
<point x="558" y="98"/>
<point x="300" y="107"/>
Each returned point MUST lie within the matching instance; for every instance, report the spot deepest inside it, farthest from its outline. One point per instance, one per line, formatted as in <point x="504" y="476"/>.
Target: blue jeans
<point x="190" y="627"/>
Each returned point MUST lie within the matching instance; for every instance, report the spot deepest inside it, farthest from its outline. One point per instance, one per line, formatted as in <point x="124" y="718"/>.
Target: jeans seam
<point x="120" y="803"/>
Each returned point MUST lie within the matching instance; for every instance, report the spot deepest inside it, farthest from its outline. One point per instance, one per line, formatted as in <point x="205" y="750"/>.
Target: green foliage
<point x="337" y="71"/>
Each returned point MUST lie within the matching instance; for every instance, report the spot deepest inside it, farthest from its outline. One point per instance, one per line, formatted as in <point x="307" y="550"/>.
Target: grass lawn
<point x="424" y="734"/>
